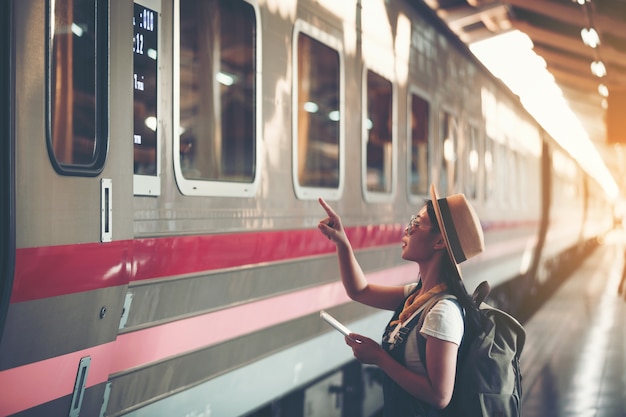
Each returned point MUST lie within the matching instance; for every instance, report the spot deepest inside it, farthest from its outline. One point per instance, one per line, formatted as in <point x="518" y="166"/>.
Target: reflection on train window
<point x="318" y="114"/>
<point x="418" y="145"/>
<point x="449" y="141"/>
<point x="470" y="178"/>
<point x="75" y="142"/>
<point x="217" y="90"/>
<point x="379" y="134"/>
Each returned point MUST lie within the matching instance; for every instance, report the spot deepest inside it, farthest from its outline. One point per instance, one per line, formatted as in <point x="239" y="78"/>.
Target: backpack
<point x="488" y="380"/>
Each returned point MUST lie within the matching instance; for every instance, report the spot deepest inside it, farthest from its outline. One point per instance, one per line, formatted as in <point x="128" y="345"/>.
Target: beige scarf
<point x="413" y="302"/>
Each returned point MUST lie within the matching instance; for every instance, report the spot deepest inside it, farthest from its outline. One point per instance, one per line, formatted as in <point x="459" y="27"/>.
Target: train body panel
<point x="185" y="277"/>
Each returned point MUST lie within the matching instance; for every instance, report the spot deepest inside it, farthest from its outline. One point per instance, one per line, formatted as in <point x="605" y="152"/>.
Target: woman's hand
<point x="331" y="226"/>
<point x="365" y="350"/>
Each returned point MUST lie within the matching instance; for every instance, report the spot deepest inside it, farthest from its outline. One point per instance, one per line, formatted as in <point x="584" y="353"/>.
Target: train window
<point x="470" y="178"/>
<point x="449" y="142"/>
<point x="378" y="132"/>
<point x="146" y="131"/>
<point x="317" y="115"/>
<point x="216" y="111"/>
<point x="418" y="145"/>
<point x="77" y="109"/>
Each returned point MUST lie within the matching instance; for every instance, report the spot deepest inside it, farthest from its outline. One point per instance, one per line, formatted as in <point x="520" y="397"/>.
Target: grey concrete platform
<point x="574" y="361"/>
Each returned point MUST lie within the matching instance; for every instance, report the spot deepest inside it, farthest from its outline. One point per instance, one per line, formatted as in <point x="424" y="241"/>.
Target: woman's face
<point x="418" y="242"/>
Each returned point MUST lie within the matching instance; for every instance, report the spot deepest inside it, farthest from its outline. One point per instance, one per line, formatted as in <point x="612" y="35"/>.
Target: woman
<point x="419" y="375"/>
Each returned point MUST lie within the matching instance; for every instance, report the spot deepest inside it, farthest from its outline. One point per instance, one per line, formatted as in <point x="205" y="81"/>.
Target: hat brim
<point x="435" y="199"/>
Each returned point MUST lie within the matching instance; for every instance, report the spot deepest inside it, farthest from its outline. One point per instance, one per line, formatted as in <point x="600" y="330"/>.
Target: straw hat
<point x="459" y="226"/>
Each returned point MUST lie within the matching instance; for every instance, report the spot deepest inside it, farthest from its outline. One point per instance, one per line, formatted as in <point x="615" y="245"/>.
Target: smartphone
<point x="336" y="324"/>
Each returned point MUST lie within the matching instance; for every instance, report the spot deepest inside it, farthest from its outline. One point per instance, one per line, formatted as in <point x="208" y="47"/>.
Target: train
<point x="161" y="165"/>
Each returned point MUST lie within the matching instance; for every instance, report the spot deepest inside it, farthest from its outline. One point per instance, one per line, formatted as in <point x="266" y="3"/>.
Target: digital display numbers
<point x="143" y="21"/>
<point x="145" y="67"/>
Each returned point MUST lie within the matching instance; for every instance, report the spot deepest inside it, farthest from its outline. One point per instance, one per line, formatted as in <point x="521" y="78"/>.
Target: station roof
<point x="555" y="28"/>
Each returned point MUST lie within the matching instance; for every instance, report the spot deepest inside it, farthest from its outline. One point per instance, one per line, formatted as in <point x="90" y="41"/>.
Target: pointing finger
<point x="326" y="207"/>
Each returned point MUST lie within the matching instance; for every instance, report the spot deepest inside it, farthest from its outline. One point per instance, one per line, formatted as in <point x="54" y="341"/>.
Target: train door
<point x="69" y="120"/>
<point x="7" y="229"/>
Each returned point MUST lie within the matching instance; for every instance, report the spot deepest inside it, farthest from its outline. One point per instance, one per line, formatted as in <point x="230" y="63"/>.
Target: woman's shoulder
<point x="448" y="306"/>
<point x="445" y="321"/>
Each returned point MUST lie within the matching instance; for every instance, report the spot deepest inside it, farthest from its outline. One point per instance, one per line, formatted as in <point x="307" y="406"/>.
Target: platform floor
<point x="574" y="361"/>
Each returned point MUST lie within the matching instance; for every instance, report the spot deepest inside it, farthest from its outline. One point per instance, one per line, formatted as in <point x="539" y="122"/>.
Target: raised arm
<point x="352" y="276"/>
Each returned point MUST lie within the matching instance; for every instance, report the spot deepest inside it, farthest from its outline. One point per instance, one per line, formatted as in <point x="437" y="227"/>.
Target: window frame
<point x="101" y="90"/>
<point x="490" y="186"/>
<point x="450" y="188"/>
<point x="471" y="178"/>
<point x="415" y="91"/>
<point x="305" y="192"/>
<point x="150" y="185"/>
<point x="213" y="188"/>
<point x="378" y="196"/>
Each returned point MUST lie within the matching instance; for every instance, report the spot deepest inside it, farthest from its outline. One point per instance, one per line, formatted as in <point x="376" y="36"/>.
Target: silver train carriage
<point x="160" y="255"/>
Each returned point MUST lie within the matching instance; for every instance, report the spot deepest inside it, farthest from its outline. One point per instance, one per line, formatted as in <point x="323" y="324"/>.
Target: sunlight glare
<point x="403" y="48"/>
<point x="377" y="40"/>
<point x="510" y="57"/>
<point x="346" y="12"/>
<point x="284" y="8"/>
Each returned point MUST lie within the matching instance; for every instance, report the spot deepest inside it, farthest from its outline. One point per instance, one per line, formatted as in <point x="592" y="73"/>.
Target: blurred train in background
<point x="160" y="255"/>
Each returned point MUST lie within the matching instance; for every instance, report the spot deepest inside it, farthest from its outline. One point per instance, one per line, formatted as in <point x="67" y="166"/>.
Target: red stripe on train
<point x="58" y="270"/>
<point x="50" y="271"/>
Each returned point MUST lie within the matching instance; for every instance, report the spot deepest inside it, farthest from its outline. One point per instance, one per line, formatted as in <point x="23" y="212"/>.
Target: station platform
<point x="574" y="360"/>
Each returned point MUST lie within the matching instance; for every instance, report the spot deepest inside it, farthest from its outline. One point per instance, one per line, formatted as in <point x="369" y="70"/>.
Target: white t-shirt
<point x="444" y="321"/>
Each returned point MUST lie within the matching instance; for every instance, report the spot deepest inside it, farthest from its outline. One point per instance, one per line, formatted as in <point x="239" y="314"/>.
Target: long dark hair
<point x="454" y="282"/>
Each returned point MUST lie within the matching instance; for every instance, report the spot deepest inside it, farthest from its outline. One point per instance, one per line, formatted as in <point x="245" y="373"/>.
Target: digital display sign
<point x="145" y="67"/>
